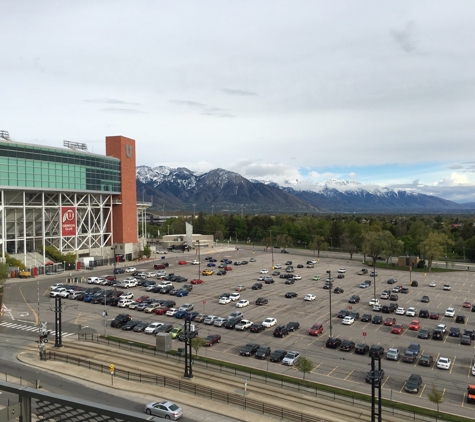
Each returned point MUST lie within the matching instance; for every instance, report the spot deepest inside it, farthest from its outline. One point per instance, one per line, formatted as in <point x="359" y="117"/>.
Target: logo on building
<point x="128" y="151"/>
<point x="68" y="221"/>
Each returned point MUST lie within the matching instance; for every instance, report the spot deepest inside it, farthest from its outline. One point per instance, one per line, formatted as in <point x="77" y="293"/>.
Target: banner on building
<point x="68" y="221"/>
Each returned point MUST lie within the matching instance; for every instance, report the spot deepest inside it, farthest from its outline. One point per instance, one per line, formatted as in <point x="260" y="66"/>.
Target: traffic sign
<point x="204" y="302"/>
<point x="111" y="368"/>
<point x="364" y="333"/>
<point x="350" y="307"/>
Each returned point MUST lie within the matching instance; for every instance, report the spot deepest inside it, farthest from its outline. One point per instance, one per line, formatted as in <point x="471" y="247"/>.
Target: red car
<point x="212" y="339"/>
<point x="159" y="266"/>
<point x="415" y="325"/>
<point x="434" y="315"/>
<point x="182" y="262"/>
<point x="315" y="330"/>
<point x="390" y="321"/>
<point x="467" y="305"/>
<point x="228" y="268"/>
<point x="142" y="298"/>
<point x="196" y="281"/>
<point x="161" y="311"/>
<point x="110" y="277"/>
<point x="397" y="329"/>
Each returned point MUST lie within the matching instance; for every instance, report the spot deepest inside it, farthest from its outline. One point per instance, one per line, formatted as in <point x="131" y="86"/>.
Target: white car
<point x="373" y="302"/>
<point x="411" y="312"/>
<point x="161" y="273"/>
<point x="450" y="312"/>
<point x="442" y="327"/>
<point x="127" y="295"/>
<point x="269" y="322"/>
<point x="161" y="252"/>
<point x="313" y="261"/>
<point x="92" y="280"/>
<point x="235" y="296"/>
<point x="224" y="300"/>
<point x="297" y="277"/>
<point x="242" y="303"/>
<point x="195" y="262"/>
<point x="264" y="271"/>
<point x="309" y="297"/>
<point x="277" y="266"/>
<point x="260" y="278"/>
<point x="130" y="269"/>
<point x="152" y="328"/>
<point x="243" y="325"/>
<point x="447" y="287"/>
<point x="291" y="358"/>
<point x="432" y="284"/>
<point x="187" y="307"/>
<point x="342" y="270"/>
<point x="400" y="311"/>
<point x="444" y="363"/>
<point x="348" y="320"/>
<point x="473" y="369"/>
<point x="59" y="292"/>
<point x="171" y="312"/>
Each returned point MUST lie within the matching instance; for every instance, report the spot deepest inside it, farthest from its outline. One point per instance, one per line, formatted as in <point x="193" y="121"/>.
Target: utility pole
<point x="330" y="299"/>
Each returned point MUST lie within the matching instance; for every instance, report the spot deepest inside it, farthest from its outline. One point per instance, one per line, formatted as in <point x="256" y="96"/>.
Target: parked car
<point x="426" y="360"/>
<point x="392" y="354"/>
<point x="249" y="349"/>
<point x="257" y="327"/>
<point x="361" y="349"/>
<point x="316" y="330"/>
<point x="413" y="384"/>
<point x="277" y="355"/>
<point x="263" y="352"/>
<point x="291" y="358"/>
<point x="212" y="339"/>
<point x="164" y="409"/>
<point x="333" y="342"/>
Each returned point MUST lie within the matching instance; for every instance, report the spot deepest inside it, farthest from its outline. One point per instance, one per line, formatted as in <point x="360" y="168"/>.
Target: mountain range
<point x="219" y="190"/>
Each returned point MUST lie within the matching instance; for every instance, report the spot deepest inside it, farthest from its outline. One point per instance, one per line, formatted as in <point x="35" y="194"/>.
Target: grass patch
<point x="306" y="383"/>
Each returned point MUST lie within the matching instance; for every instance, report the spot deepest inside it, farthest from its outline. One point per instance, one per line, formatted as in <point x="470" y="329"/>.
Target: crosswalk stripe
<point x="30" y="328"/>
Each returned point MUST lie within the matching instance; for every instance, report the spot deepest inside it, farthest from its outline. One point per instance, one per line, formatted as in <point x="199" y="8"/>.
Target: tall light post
<point x="272" y="248"/>
<point x="374" y="276"/>
<point x="199" y="259"/>
<point x="330" y="298"/>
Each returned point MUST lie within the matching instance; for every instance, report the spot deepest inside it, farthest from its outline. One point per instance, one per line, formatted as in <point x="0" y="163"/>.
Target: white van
<point x="92" y="280"/>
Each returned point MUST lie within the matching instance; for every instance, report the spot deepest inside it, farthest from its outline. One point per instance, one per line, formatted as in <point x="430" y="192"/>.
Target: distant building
<point x="408" y="261"/>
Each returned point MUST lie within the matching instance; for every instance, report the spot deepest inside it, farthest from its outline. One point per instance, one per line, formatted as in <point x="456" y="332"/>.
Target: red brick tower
<point x="125" y="214"/>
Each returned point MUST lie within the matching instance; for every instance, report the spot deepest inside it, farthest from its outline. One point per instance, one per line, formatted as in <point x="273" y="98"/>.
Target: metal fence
<point x="275" y="379"/>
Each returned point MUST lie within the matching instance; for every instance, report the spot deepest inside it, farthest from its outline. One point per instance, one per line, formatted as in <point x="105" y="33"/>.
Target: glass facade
<point x="44" y="168"/>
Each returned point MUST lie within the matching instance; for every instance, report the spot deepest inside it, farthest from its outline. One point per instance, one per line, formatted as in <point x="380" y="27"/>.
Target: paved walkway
<point x="327" y="411"/>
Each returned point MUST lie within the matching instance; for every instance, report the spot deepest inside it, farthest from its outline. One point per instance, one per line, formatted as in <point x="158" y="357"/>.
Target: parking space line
<point x="332" y="371"/>
<point x="349" y="374"/>
<point x="453" y="364"/>
<point x="423" y="388"/>
<point x="435" y="362"/>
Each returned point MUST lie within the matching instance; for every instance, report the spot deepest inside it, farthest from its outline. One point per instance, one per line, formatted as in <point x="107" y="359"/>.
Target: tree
<point x="347" y="245"/>
<point x="434" y="247"/>
<point x="3" y="272"/>
<point x="436" y="397"/>
<point x="197" y="343"/>
<point x="147" y="251"/>
<point x="374" y="243"/>
<point x="304" y="365"/>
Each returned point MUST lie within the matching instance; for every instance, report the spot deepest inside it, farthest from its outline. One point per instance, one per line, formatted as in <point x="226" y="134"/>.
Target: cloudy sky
<point x="378" y="92"/>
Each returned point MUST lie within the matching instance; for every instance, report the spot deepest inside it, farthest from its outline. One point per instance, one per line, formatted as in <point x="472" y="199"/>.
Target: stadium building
<point x="80" y="202"/>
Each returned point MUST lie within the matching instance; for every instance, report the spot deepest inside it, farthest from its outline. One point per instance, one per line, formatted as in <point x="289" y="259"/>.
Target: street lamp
<point x="199" y="259"/>
<point x="374" y="276"/>
<point x="330" y="298"/>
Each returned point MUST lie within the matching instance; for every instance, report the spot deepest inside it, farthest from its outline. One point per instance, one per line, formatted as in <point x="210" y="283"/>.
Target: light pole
<point x="199" y="259"/>
<point x="272" y="248"/>
<point x="330" y="298"/>
<point x="374" y="276"/>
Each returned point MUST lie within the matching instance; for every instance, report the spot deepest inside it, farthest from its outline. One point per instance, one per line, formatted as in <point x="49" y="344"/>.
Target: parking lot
<point x="334" y="367"/>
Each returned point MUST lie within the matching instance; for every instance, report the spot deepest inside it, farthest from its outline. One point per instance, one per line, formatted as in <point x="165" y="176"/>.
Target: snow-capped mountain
<point x="224" y="190"/>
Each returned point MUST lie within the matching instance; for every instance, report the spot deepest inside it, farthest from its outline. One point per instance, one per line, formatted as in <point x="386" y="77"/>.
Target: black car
<point x="469" y="332"/>
<point x="268" y="280"/>
<point x="466" y="340"/>
<point x="405" y="290"/>
<point x="454" y="332"/>
<point x="424" y="333"/>
<point x="408" y="357"/>
<point x="261" y="301"/>
<point x="354" y="315"/>
<point x="141" y="326"/>
<point x="392" y="281"/>
<point x="281" y="331"/>
<point x="257" y="286"/>
<point x="413" y="384"/>
<point x="341" y="276"/>
<point x="377" y="376"/>
<point x="333" y="343"/>
<point x="293" y="325"/>
<point x="129" y="326"/>
<point x="438" y="334"/>
<point x="288" y="263"/>
<point x="414" y="283"/>
<point x="221" y="272"/>
<point x="354" y="299"/>
<point x="361" y="349"/>
<point x="119" y="271"/>
<point x="386" y="309"/>
<point x="299" y="266"/>
<point x="338" y="290"/>
<point x="165" y="328"/>
<point x="366" y="318"/>
<point x="376" y="351"/>
<point x="120" y="320"/>
<point x="425" y="299"/>
<point x="250" y="348"/>
<point x="290" y="295"/>
<point x="426" y="360"/>
<point x="424" y="313"/>
<point x="343" y="313"/>
<point x="231" y="323"/>
<point x="263" y="352"/>
<point x="393" y="296"/>
<point x="347" y="345"/>
<point x="377" y="319"/>
<point x="460" y="319"/>
<point x="290" y="281"/>
<point x="277" y="355"/>
<point x="328" y="285"/>
<point x="257" y="328"/>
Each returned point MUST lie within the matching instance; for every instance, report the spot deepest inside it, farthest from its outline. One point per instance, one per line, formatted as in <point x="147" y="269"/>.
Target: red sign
<point x="364" y="333"/>
<point x="204" y="302"/>
<point x="68" y="221"/>
<point x="350" y="307"/>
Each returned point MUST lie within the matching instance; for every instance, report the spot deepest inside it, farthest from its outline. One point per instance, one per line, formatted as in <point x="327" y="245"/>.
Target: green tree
<point x="4" y="272"/>
<point x="347" y="245"/>
<point x="197" y="343"/>
<point x="434" y="247"/>
<point x="304" y="365"/>
<point x="147" y="251"/>
<point x="374" y="243"/>
<point x="436" y="397"/>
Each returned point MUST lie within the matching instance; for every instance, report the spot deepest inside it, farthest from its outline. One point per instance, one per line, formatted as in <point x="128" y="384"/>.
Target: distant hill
<point x="225" y="191"/>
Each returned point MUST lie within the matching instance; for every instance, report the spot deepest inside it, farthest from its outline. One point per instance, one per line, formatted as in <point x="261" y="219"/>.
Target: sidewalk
<point x="327" y="411"/>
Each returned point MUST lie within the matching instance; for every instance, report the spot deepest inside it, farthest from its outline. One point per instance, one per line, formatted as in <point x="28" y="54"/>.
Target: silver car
<point x="164" y="409"/>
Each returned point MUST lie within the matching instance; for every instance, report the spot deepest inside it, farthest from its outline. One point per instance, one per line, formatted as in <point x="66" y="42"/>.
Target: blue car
<point x="119" y="271"/>
<point x="211" y="264"/>
<point x="88" y="298"/>
<point x="180" y="314"/>
<point x="181" y="293"/>
<point x="228" y="261"/>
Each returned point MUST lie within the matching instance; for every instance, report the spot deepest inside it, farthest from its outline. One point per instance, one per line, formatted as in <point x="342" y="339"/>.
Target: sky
<point x="295" y="92"/>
